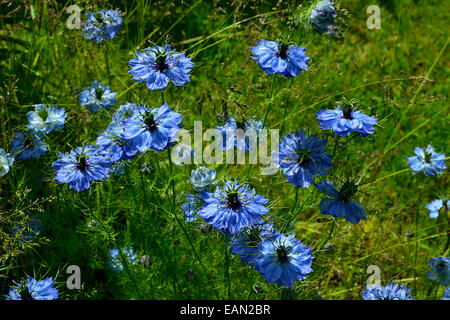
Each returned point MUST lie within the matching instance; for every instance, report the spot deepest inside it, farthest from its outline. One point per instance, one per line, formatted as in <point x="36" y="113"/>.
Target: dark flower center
<point x="233" y="201"/>
<point x="150" y="122"/>
<point x="441" y="268"/>
<point x="347" y="110"/>
<point x="282" y="51"/>
<point x="254" y="237"/>
<point x="282" y="253"/>
<point x="303" y="158"/>
<point x="25" y="294"/>
<point x="27" y="142"/>
<point x="99" y="93"/>
<point x="347" y="191"/>
<point x="82" y="163"/>
<point x="161" y="64"/>
<point x="43" y="113"/>
<point x="428" y="157"/>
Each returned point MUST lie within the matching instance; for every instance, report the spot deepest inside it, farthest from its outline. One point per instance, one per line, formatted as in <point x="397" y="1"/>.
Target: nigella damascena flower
<point x="447" y="294"/>
<point x="273" y="57"/>
<point x="389" y="292"/>
<point x="6" y="161"/>
<point x="339" y="203"/>
<point x="27" y="145"/>
<point x="245" y="243"/>
<point x="193" y="204"/>
<point x="31" y="289"/>
<point x="120" y="256"/>
<point x="202" y="178"/>
<point x="345" y="120"/>
<point x="102" y="25"/>
<point x="302" y="158"/>
<point x="46" y="119"/>
<point x="97" y="97"/>
<point x="81" y="166"/>
<point x="440" y="270"/>
<point x="429" y="161"/>
<point x="322" y="16"/>
<point x="158" y="66"/>
<point x="283" y="260"/>
<point x="232" y="207"/>
<point x="152" y="128"/>
<point x="435" y="205"/>
<point x="111" y="141"/>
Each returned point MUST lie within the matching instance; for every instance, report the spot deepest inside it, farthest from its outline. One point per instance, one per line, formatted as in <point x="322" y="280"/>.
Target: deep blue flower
<point x="447" y="294"/>
<point x="434" y="207"/>
<point x="322" y="16"/>
<point x="6" y="161"/>
<point x="152" y="128"/>
<point x="27" y="145"/>
<point x="232" y="207"/>
<point x="339" y="203"/>
<point x="193" y="204"/>
<point x="81" y="166"/>
<point x="202" y="178"/>
<point x="158" y="66"/>
<point x="245" y="243"/>
<point x="440" y="270"/>
<point x="97" y="97"/>
<point x="102" y="25"/>
<point x="345" y="120"/>
<point x="389" y="292"/>
<point x="46" y="119"/>
<point x="120" y="256"/>
<point x="242" y="134"/>
<point x="302" y="158"/>
<point x="118" y="168"/>
<point x="429" y="161"/>
<point x="283" y="260"/>
<point x="31" y="289"/>
<point x="274" y="57"/>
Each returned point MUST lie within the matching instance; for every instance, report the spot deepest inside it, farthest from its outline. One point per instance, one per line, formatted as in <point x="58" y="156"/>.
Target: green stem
<point x="270" y="101"/>
<point x="330" y="234"/>
<point x="107" y="65"/>
<point x="162" y="97"/>
<point x="227" y="267"/>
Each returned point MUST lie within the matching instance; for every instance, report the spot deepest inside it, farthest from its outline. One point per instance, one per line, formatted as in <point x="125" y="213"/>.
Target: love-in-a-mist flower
<point x="120" y="256"/>
<point x="27" y="145"/>
<point x="322" y="16"/>
<point x="389" y="292"/>
<point x="340" y="204"/>
<point x="31" y="289"/>
<point x="152" y="128"/>
<point x="440" y="270"/>
<point x="158" y="66"/>
<point x="191" y="207"/>
<point x="283" y="260"/>
<point x="345" y="119"/>
<point x="202" y="178"/>
<point x="435" y="205"/>
<point x="6" y="161"/>
<point x="232" y="207"/>
<point x="46" y="119"/>
<point x="427" y="161"/>
<point x="81" y="166"/>
<point x="286" y="59"/>
<point x="446" y="294"/>
<point x="245" y="243"/>
<point x="301" y="158"/>
<point x="102" y="25"/>
<point x="97" y="97"/>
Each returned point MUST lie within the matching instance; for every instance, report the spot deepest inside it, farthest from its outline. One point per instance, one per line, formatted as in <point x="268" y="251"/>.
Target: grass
<point x="399" y="74"/>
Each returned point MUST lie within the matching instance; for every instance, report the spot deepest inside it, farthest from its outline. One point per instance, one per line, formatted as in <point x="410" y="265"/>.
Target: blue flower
<point x="434" y="207"/>
<point x="102" y="25"/>
<point x="158" y="66"/>
<point x="46" y="119"/>
<point x="345" y="120"/>
<point x="33" y="290"/>
<point x="274" y="57"/>
<point x="429" y="161"/>
<point x="97" y="97"/>
<point x="284" y="260"/>
<point x="245" y="243"/>
<point x="111" y="140"/>
<point x="232" y="207"/>
<point x="120" y="256"/>
<point x="389" y="292"/>
<point x="81" y="166"/>
<point x="193" y="204"/>
<point x="6" y="161"/>
<point x="302" y="158"/>
<point x="447" y="294"/>
<point x="202" y="178"/>
<point x="322" y="16"/>
<point x="27" y="145"/>
<point x="118" y="168"/>
<point x="339" y="203"/>
<point x="440" y="270"/>
<point x="152" y="128"/>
